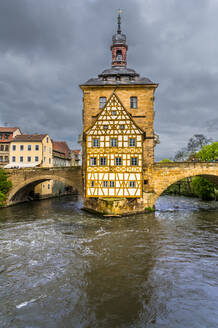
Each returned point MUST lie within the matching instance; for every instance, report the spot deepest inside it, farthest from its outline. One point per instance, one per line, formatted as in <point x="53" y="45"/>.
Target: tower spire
<point x="119" y="21"/>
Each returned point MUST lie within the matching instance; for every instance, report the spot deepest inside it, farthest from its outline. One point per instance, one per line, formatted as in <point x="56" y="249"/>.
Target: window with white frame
<point x="36" y="158"/>
<point x="134" y="161"/>
<point x="113" y="142"/>
<point x="133" y="102"/>
<point x="111" y="184"/>
<point x="103" y="161"/>
<point x="118" y="161"/>
<point x="93" y="161"/>
<point x="102" y="102"/>
<point x="105" y="184"/>
<point x="36" y="147"/>
<point x="29" y="159"/>
<point x="95" y="142"/>
<point x="13" y="159"/>
<point x="21" y="159"/>
<point x="14" y="147"/>
<point x="21" y="147"/>
<point x="1" y="158"/>
<point x="131" y="142"/>
<point x="132" y="184"/>
<point x="29" y="147"/>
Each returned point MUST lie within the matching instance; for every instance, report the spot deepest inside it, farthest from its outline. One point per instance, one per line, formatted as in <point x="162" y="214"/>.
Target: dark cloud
<point x="49" y="47"/>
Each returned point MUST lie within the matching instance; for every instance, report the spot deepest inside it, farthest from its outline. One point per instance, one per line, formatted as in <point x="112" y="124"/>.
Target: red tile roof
<point x="61" y="148"/>
<point x="76" y="151"/>
<point x="8" y="129"/>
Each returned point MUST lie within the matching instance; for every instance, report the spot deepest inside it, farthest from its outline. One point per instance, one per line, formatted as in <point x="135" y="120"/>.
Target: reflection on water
<point x="62" y="267"/>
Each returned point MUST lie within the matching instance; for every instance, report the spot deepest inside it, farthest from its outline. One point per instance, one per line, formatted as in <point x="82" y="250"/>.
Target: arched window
<point x="133" y="102"/>
<point x="119" y="55"/>
<point x="102" y="102"/>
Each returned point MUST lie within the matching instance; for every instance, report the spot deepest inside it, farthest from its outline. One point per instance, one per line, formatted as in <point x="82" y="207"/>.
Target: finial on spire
<point x="119" y="21"/>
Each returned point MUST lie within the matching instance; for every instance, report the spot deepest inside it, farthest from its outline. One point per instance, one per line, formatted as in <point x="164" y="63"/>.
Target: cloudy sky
<point x="49" y="47"/>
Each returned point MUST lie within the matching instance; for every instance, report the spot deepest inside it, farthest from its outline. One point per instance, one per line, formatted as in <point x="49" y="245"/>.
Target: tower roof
<point x="119" y="74"/>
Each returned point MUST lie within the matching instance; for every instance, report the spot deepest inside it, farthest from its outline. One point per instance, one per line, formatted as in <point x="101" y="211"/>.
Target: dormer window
<point x="119" y="55"/>
<point x="102" y="102"/>
<point x="133" y="102"/>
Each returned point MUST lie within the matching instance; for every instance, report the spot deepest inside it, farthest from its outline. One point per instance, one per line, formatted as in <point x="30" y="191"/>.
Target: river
<point x="62" y="267"/>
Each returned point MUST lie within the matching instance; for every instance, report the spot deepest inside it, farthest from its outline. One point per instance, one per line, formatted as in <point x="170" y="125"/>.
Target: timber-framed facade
<point x="114" y="154"/>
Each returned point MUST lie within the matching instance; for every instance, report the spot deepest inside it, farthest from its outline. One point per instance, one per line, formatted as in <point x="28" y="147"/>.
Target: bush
<point x="203" y="188"/>
<point x="5" y="186"/>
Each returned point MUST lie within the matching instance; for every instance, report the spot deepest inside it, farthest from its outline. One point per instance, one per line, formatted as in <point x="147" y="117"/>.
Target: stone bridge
<point x="157" y="178"/>
<point x="24" y="180"/>
<point x="160" y="176"/>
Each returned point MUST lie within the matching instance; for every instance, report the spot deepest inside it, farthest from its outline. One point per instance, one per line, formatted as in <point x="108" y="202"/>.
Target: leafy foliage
<point x="5" y="186"/>
<point x="165" y="160"/>
<point x="208" y="152"/>
<point x="203" y="188"/>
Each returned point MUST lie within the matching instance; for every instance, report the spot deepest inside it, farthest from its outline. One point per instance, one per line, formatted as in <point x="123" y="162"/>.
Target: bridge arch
<point x="37" y="179"/>
<point x="164" y="182"/>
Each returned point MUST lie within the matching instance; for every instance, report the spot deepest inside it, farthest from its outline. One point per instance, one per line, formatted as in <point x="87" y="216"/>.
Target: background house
<point x="6" y="135"/>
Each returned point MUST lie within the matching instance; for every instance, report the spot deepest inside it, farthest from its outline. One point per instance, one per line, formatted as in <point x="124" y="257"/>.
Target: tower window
<point x="93" y="161"/>
<point x="134" y="161"/>
<point x="131" y="142"/>
<point x="119" y="55"/>
<point x="111" y="184"/>
<point x="105" y="184"/>
<point x="114" y="113"/>
<point x="103" y="161"/>
<point x="102" y="102"/>
<point x="95" y="142"/>
<point x="92" y="184"/>
<point x="118" y="161"/>
<point x="133" y="102"/>
<point x="122" y="126"/>
<point x="105" y="127"/>
<point x="113" y="142"/>
<point x="132" y="184"/>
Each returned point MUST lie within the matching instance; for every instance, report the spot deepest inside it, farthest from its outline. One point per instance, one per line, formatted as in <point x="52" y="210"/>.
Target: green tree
<point x="165" y="160"/>
<point x="203" y="188"/>
<point x="5" y="185"/>
<point x="208" y="152"/>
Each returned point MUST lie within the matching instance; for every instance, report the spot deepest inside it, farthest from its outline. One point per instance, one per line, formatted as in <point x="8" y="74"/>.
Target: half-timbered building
<point x="118" y="134"/>
<point x="114" y="154"/>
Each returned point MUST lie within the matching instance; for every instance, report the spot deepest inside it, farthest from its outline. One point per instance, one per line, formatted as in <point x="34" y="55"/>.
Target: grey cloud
<point x="49" y="47"/>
